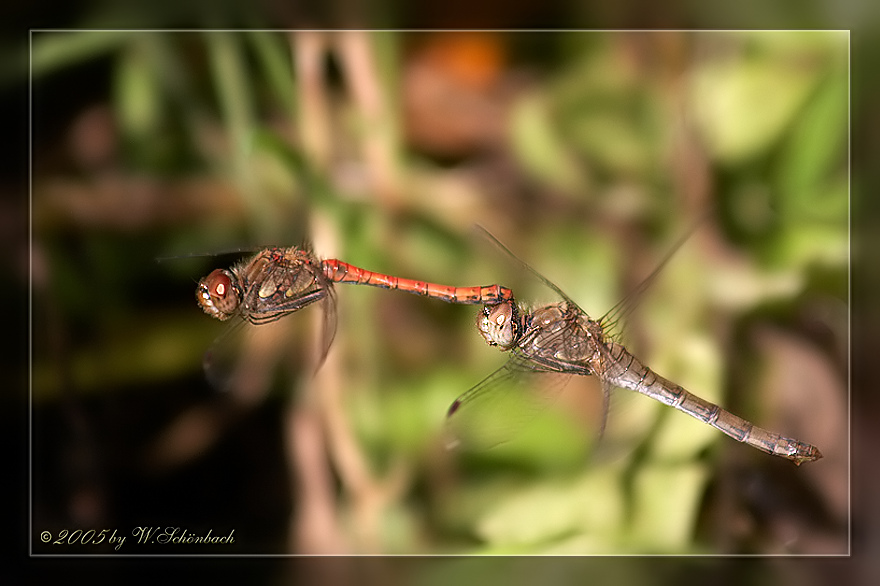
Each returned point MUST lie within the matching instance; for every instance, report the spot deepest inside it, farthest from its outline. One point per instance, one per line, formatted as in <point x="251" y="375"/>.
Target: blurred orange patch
<point x="453" y="98"/>
<point x="472" y="59"/>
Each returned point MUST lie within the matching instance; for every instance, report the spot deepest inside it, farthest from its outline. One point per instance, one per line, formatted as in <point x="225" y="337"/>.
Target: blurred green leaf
<point x="550" y="510"/>
<point x="666" y="503"/>
<point x="539" y="149"/>
<point x="274" y="57"/>
<point x="743" y="105"/>
<point x="816" y="149"/>
<point x="138" y="92"/>
<point x="51" y="51"/>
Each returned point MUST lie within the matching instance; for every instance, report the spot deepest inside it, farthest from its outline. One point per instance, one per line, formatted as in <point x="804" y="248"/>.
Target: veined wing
<point x="501" y="405"/>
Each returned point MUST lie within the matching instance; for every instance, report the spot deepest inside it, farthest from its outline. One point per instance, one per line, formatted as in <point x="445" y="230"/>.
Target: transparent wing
<point x="500" y="406"/>
<point x="615" y="318"/>
<point x="219" y="361"/>
<point x="244" y="355"/>
<point x="328" y="323"/>
<point x="524" y="267"/>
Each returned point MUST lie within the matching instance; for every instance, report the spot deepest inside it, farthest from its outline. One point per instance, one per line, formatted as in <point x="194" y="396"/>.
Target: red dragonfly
<point x="278" y="281"/>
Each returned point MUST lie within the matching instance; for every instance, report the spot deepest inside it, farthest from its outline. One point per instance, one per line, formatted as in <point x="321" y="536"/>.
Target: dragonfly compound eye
<point x="498" y="324"/>
<point x="217" y="294"/>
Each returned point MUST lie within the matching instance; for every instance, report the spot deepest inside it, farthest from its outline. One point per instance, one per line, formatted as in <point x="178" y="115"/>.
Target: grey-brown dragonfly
<point x="561" y="338"/>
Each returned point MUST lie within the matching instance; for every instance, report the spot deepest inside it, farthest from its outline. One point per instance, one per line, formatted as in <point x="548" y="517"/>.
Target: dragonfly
<point x="276" y="282"/>
<point x="562" y="338"/>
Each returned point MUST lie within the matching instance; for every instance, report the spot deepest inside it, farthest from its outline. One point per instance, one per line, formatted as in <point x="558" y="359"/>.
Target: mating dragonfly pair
<point x="553" y="338"/>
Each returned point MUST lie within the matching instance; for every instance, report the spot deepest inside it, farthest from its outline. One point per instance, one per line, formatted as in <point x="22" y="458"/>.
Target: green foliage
<point x="604" y="161"/>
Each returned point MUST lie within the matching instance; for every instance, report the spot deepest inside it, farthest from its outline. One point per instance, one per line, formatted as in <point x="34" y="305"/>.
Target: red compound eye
<point x="217" y="294"/>
<point x="218" y="283"/>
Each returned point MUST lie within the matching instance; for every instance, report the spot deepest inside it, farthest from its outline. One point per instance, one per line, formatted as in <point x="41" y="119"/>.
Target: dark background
<point x="85" y="466"/>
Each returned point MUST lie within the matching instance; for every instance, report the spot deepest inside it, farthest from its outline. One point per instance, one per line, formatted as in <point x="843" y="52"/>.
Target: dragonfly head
<point x="499" y="324"/>
<point x="218" y="294"/>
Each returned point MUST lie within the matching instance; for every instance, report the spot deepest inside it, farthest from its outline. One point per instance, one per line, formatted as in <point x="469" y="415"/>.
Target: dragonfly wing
<point x="501" y="405"/>
<point x="328" y="323"/>
<point x="220" y="360"/>
<point x="528" y="269"/>
<point x="607" y="388"/>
